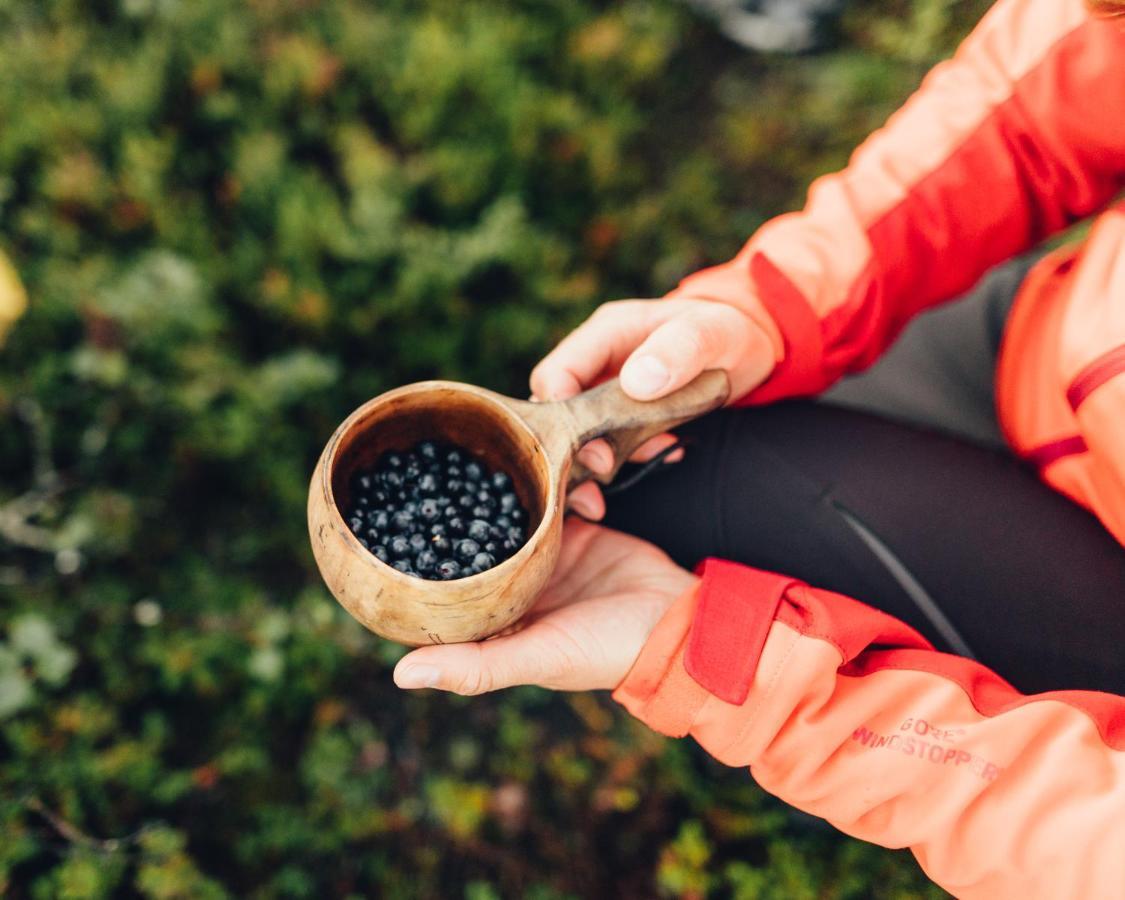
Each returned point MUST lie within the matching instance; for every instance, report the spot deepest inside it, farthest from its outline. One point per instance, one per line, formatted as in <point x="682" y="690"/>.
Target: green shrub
<point x="236" y="221"/>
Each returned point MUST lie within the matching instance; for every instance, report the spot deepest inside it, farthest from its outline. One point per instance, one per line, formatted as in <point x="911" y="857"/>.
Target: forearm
<point x="1003" y="145"/>
<point x="848" y="714"/>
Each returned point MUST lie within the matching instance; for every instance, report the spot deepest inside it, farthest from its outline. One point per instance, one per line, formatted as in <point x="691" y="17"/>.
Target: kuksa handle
<point x="608" y="412"/>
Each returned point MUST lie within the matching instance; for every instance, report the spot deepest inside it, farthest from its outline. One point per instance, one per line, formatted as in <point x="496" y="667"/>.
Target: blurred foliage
<point x="236" y="221"/>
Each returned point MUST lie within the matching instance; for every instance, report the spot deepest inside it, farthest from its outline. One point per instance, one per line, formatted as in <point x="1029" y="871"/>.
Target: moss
<point x="235" y="222"/>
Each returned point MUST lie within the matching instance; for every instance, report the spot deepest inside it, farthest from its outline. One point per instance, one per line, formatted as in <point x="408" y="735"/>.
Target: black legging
<point x="946" y="531"/>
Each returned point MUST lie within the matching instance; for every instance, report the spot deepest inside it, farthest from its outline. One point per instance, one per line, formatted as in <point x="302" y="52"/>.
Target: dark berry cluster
<point x="436" y="512"/>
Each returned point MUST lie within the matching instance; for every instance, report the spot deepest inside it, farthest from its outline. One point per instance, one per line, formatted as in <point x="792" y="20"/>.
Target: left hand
<point x="584" y="632"/>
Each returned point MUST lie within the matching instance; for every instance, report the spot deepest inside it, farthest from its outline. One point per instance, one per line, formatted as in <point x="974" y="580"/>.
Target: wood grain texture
<point x="534" y="443"/>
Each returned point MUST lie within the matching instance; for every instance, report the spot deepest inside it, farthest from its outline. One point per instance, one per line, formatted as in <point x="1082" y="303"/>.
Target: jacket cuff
<point x="707" y="645"/>
<point x="801" y="373"/>
<point x="658" y="690"/>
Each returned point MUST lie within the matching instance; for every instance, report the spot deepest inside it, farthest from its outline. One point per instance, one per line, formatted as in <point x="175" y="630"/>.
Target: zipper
<point x="1097" y="373"/>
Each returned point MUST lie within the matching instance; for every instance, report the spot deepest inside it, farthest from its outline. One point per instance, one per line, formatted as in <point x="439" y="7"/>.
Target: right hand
<point x="656" y="346"/>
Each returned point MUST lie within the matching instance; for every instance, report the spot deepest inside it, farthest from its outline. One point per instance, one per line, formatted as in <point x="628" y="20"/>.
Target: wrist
<point x="677" y="587"/>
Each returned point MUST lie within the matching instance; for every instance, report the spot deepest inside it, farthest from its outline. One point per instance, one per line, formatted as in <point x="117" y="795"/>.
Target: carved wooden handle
<point x="608" y="412"/>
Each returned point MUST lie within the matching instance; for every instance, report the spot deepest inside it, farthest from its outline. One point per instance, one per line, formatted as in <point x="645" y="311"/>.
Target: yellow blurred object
<point x="13" y="297"/>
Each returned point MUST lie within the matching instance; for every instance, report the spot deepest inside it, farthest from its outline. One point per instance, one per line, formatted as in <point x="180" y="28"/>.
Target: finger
<point x="554" y="384"/>
<point x="653" y="447"/>
<point x="704" y="336"/>
<point x="599" y="345"/>
<point x="525" y="657"/>
<point x="587" y="501"/>
<point x="597" y="456"/>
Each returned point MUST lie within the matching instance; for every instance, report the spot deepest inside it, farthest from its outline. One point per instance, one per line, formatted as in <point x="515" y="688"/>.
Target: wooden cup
<point x="535" y="443"/>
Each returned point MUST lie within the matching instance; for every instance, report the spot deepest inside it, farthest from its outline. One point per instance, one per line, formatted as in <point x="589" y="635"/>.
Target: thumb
<point x="705" y="336"/>
<point x="477" y="668"/>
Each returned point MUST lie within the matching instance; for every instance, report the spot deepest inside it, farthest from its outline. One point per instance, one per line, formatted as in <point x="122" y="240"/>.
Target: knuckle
<point x="605" y="311"/>
<point x="694" y="341"/>
<point x="478" y="681"/>
<point x="478" y="678"/>
<point x="708" y="333"/>
<point x="614" y="309"/>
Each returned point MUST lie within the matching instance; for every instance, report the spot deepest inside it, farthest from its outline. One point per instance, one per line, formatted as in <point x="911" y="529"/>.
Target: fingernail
<point x="644" y="376"/>
<point x="414" y="677"/>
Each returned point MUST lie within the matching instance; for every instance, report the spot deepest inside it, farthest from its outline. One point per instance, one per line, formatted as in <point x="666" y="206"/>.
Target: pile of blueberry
<point x="436" y="512"/>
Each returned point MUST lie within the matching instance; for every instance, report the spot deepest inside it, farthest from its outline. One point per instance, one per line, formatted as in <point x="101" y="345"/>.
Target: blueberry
<point x="479" y="530"/>
<point x="425" y="561"/>
<point x="467" y="549"/>
<point x="483" y="561"/>
<point x="448" y="569"/>
<point x="366" y="544"/>
<point x="404" y="566"/>
<point x="435" y="504"/>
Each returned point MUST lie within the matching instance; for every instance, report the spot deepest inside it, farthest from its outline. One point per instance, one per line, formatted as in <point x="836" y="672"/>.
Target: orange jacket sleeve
<point x="1013" y="139"/>
<point x="848" y="714"/>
